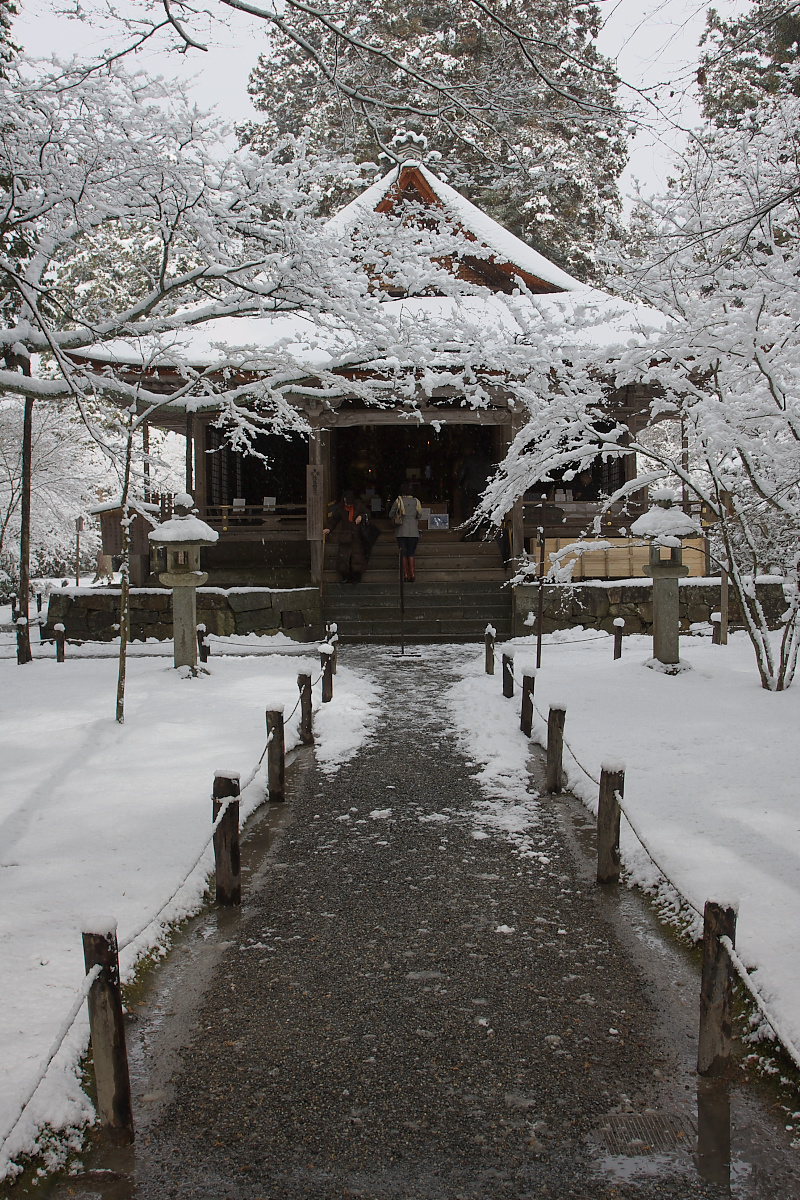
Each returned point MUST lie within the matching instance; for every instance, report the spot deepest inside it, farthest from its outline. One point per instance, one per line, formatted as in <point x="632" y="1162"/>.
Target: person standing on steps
<point x="348" y="517"/>
<point x="405" y="512"/>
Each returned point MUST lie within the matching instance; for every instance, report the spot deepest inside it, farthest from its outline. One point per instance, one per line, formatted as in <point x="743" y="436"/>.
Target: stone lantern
<point x="182" y="536"/>
<point x="664" y="524"/>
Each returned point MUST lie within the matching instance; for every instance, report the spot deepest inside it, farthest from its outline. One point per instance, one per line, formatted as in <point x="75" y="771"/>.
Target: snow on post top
<point x="665" y="520"/>
<point x="184" y="526"/>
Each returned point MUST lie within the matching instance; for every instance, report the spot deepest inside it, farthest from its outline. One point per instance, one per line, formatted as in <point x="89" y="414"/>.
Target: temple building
<point x="270" y="509"/>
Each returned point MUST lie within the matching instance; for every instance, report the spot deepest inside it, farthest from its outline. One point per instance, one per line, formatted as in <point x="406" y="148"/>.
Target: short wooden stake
<point x="619" y="625"/>
<point x="612" y="789"/>
<point x="714" y="1042"/>
<point x="109" y="1053"/>
<point x="14" y="609"/>
<point x="276" y="756"/>
<point x="306" y="731"/>
<point x="508" y="676"/>
<point x="38" y="602"/>
<point x="332" y="638"/>
<point x="716" y="629"/>
<point x="202" y="644"/>
<point x="226" y="839"/>
<point x="555" y="749"/>
<point x="61" y="642"/>
<point x="325" y="661"/>
<point x="489" y="639"/>
<point x="526" y="708"/>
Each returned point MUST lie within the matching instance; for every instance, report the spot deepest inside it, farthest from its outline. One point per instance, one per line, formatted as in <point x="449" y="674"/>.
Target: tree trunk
<point x="24" y="654"/>
<point x="124" y="583"/>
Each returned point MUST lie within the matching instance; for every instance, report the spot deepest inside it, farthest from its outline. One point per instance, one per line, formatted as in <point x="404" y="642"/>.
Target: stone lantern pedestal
<point x="664" y="525"/>
<point x="182" y="536"/>
<point x="665" y="573"/>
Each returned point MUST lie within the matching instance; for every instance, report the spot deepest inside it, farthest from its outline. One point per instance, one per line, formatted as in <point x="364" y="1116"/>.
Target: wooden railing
<point x="278" y="520"/>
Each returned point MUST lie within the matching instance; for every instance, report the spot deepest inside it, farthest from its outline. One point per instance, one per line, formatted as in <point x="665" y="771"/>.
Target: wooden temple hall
<point x="271" y="511"/>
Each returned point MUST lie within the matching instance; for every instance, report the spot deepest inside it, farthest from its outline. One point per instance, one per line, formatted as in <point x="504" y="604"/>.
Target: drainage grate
<point x="637" y="1134"/>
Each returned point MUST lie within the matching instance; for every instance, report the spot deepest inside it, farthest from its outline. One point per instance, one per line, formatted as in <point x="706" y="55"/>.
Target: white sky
<point x="654" y="42"/>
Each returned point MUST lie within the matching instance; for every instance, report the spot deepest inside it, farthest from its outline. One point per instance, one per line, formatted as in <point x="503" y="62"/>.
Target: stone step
<point x="426" y="574"/>
<point x="455" y="631"/>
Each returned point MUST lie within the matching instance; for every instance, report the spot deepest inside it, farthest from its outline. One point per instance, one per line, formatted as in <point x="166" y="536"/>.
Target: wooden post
<point x="109" y="1053"/>
<point x="14" y="609"/>
<point x="202" y="644"/>
<point x="714" y="1042"/>
<point x="619" y="625"/>
<point x="612" y="788"/>
<point x="540" y="600"/>
<point x="226" y="839"/>
<point x="38" y="602"/>
<point x="61" y="641"/>
<point x="325" y="657"/>
<point x="22" y="633"/>
<point x="508" y="676"/>
<point x="276" y="756"/>
<point x="723" y="607"/>
<point x="716" y="629"/>
<point x="490" y="635"/>
<point x="526" y="709"/>
<point x="555" y="748"/>
<point x="306" y="731"/>
<point x="332" y="638"/>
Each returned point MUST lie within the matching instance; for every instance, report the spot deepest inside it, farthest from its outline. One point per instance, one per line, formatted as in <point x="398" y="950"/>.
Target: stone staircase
<point x="459" y="590"/>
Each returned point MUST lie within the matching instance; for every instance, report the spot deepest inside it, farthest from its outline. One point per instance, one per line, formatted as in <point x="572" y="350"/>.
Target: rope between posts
<point x="57" y="1043"/>
<point x="736" y="962"/>
<point x="634" y="829"/>
<point x="257" y="767"/>
<point x="151" y="920"/>
<point x="773" y="1022"/>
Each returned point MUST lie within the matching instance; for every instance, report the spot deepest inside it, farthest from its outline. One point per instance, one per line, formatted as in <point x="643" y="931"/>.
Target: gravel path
<point x="405" y="1010"/>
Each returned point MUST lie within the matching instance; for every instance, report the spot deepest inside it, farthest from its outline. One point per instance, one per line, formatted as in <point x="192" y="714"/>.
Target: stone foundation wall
<point x="91" y="614"/>
<point x="595" y="605"/>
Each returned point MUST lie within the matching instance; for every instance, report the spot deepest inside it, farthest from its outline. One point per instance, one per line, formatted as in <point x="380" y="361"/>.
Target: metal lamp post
<point x="182" y="536"/>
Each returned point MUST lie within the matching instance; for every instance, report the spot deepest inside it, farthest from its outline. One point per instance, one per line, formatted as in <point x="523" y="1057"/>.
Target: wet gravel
<point x="406" y="1010"/>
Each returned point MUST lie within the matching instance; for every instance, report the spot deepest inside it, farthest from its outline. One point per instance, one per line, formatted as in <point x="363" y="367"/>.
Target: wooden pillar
<point x="200" y="462"/>
<point x="714" y="1042"/>
<point x="526" y="708"/>
<point x="555" y="748"/>
<point x="109" y="1053"/>
<point x="315" y="504"/>
<point x="306" y="730"/>
<point x="226" y="839"/>
<point x="189" y="471"/>
<point x="612" y="786"/>
<point x="276" y="756"/>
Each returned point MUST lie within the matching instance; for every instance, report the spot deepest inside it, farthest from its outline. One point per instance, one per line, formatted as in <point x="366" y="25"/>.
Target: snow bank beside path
<point x="98" y="818"/>
<point x="488" y="736"/>
<point x="711" y="779"/>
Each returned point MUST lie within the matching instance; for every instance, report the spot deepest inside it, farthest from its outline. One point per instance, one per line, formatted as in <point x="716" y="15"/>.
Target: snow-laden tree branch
<point x="722" y="364"/>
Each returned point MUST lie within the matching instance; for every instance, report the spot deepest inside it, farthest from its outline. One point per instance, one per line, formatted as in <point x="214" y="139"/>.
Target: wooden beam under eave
<point x="414" y="417"/>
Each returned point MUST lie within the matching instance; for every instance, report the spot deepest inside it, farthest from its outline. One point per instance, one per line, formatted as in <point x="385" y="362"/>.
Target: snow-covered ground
<point x="98" y="819"/>
<point x="711" y="777"/>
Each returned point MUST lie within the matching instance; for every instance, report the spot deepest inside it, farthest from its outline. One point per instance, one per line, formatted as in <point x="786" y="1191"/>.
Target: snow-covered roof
<point x="508" y="249"/>
<point x="587" y="318"/>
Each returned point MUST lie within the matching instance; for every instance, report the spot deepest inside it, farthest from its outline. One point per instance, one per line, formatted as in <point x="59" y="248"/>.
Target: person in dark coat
<point x="348" y="522"/>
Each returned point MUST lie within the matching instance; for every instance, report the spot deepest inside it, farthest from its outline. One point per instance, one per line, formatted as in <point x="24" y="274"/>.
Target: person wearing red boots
<point x="405" y="512"/>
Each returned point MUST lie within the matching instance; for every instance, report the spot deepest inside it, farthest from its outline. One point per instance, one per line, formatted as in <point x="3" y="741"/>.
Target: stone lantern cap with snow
<point x="182" y="536"/>
<point x="664" y="525"/>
